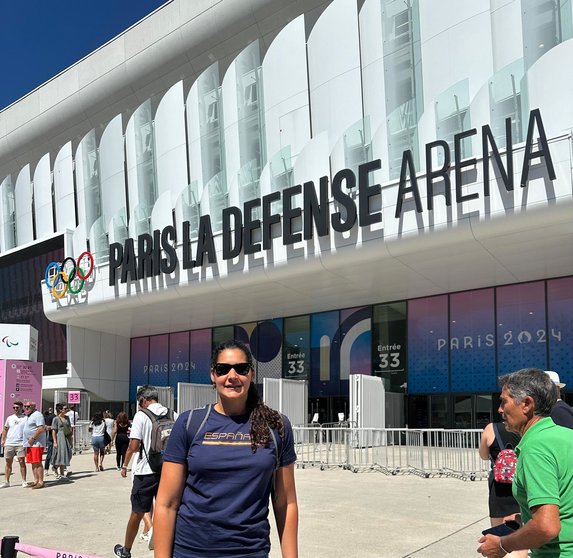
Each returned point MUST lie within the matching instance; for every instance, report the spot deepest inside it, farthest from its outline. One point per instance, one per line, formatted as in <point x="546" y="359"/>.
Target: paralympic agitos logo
<point x="69" y="275"/>
<point x="9" y="342"/>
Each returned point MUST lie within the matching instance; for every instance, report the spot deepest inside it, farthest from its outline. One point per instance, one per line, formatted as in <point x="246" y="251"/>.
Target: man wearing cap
<point x="561" y="414"/>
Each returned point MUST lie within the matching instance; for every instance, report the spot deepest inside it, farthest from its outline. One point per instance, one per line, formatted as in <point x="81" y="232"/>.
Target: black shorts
<point x="143" y="491"/>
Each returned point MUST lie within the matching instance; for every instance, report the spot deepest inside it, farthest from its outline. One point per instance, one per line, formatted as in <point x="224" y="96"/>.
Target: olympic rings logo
<point x="69" y="275"/>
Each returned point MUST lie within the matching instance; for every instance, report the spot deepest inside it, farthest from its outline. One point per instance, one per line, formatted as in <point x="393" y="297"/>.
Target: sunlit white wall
<point x="23" y="198"/>
<point x="64" y="189"/>
<point x="43" y="213"/>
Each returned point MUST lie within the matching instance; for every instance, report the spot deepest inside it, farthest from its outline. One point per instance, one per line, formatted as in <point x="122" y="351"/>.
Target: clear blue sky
<point x="40" y="38"/>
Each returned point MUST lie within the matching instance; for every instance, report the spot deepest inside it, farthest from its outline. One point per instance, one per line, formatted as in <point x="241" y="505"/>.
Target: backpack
<point x="197" y="419"/>
<point x="506" y="461"/>
<point x="161" y="427"/>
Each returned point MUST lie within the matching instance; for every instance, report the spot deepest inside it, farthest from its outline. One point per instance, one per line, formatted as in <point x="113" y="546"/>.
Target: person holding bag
<point x="502" y="505"/>
<point x="62" y="440"/>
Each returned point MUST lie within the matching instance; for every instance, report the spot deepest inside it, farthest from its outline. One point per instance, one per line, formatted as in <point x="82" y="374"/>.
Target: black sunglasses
<point x="241" y="368"/>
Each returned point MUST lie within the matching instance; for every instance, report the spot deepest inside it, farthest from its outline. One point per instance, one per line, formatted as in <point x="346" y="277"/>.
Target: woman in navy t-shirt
<point x="213" y="499"/>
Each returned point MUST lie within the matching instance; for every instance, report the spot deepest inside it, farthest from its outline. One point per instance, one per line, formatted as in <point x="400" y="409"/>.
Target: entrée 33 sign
<point x="70" y="275"/>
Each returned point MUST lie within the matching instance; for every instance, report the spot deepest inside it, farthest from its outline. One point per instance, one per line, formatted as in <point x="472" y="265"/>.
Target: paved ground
<point x="342" y="514"/>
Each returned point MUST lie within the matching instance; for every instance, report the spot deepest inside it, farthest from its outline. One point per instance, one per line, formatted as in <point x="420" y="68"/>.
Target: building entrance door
<point x="328" y="409"/>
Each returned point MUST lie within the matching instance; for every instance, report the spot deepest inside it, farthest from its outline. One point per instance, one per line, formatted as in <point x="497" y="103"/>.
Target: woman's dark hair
<point x="97" y="419"/>
<point x="262" y="417"/>
<point x="59" y="407"/>
<point x="122" y="418"/>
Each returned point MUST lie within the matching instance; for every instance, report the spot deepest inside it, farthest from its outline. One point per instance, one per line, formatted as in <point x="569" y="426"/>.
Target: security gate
<point x="289" y="397"/>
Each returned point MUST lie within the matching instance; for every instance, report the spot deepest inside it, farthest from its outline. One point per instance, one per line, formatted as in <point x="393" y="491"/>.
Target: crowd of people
<point x="32" y="437"/>
<point x="208" y="494"/>
<point x="255" y="446"/>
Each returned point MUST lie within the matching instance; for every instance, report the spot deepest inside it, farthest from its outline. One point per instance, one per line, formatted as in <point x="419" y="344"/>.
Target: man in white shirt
<point x="34" y="440"/>
<point x="73" y="415"/>
<point x="145" y="481"/>
<point x="12" y="442"/>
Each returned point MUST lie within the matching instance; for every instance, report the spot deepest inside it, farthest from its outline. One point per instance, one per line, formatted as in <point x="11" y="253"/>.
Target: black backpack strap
<point x="498" y="437"/>
<point x="195" y="421"/>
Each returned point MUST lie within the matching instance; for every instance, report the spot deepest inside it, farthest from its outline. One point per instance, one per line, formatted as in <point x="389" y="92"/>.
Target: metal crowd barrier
<point x="82" y="436"/>
<point x="425" y="452"/>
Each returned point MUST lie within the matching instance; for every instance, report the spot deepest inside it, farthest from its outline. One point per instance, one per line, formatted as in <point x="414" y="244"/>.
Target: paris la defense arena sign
<point x="156" y="254"/>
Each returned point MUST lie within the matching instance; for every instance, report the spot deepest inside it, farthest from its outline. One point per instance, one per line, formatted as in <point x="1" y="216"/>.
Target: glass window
<point x="139" y="365"/>
<point x="159" y="360"/>
<point x="246" y="333"/>
<point x="428" y="345"/>
<point x="20" y="274"/>
<point x="355" y="345"/>
<point x="418" y="416"/>
<point x="325" y="354"/>
<point x="267" y="347"/>
<point x="521" y="335"/>
<point x="403" y="75"/>
<point x="463" y="411"/>
<point x="453" y="117"/>
<point x="296" y="353"/>
<point x="178" y="359"/>
<point x="438" y="411"/>
<point x="222" y="334"/>
<point x="200" y="356"/>
<point x="472" y="341"/>
<point x="483" y="410"/>
<point x="389" y="348"/>
<point x="560" y="327"/>
<point x="545" y="24"/>
<point x="505" y="102"/>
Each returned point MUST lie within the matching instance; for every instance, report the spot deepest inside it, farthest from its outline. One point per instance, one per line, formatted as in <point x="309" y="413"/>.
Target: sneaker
<point x="5" y="484"/>
<point x="24" y="484"/>
<point x="118" y="550"/>
<point x="67" y="472"/>
<point x="150" y="543"/>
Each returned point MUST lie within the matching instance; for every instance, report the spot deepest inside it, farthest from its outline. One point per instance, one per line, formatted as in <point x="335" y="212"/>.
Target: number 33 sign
<point x="73" y="397"/>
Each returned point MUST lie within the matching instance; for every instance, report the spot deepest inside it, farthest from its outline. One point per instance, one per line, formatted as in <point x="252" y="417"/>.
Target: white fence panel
<point x="367" y="406"/>
<point x="192" y="396"/>
<point x="166" y="397"/>
<point x="428" y="452"/>
<point x="289" y="397"/>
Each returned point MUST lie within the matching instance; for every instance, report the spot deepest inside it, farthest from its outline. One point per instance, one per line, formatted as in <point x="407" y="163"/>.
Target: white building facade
<point x="376" y="187"/>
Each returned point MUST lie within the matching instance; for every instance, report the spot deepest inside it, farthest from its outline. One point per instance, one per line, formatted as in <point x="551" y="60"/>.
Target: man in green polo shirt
<point x="543" y="482"/>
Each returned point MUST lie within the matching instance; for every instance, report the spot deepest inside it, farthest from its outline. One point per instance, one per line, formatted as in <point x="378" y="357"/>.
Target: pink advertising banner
<point x="19" y="379"/>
